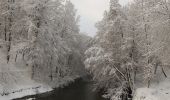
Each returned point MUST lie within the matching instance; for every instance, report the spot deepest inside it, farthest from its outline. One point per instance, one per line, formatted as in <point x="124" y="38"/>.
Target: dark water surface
<point x="80" y="90"/>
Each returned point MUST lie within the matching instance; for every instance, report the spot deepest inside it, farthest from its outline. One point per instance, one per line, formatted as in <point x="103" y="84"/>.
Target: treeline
<point x="131" y="45"/>
<point x="46" y="34"/>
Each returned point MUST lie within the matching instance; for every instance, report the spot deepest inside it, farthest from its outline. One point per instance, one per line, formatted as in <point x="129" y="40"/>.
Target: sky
<point x="91" y="11"/>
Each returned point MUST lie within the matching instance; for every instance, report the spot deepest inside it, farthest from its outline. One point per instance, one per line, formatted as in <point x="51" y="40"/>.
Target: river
<point x="79" y="90"/>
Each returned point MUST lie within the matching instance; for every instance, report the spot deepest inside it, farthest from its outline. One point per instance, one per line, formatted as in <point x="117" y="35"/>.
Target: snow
<point x="39" y="57"/>
<point x="15" y="78"/>
<point x="27" y="90"/>
<point x="158" y="91"/>
<point x="31" y="99"/>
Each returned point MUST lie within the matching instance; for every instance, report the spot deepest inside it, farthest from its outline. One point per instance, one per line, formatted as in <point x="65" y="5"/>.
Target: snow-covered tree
<point x="48" y="50"/>
<point x="108" y="59"/>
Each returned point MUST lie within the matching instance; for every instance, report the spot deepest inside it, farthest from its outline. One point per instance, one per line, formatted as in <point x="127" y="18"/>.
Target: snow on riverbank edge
<point x="28" y="90"/>
<point x="22" y="91"/>
<point x="159" y="91"/>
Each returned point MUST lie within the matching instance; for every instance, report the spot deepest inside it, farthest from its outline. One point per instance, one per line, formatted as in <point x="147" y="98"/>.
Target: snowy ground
<point x="15" y="78"/>
<point x="159" y="90"/>
<point x="26" y="90"/>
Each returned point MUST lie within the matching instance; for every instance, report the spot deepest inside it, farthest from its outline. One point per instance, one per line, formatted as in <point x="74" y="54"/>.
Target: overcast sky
<point x="91" y="11"/>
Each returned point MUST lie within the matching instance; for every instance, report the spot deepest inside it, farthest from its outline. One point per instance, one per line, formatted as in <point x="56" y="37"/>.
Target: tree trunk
<point x="16" y="57"/>
<point x="163" y="71"/>
<point x="5" y="30"/>
<point x="156" y="67"/>
<point x="10" y="9"/>
<point x="33" y="72"/>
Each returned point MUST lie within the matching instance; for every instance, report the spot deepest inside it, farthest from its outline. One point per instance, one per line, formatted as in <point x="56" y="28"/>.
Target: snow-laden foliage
<point x="107" y="59"/>
<point x="135" y="40"/>
<point x="40" y="38"/>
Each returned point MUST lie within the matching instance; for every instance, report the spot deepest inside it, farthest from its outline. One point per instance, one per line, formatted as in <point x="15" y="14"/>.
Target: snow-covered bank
<point x="16" y="81"/>
<point x="27" y="90"/>
<point x="159" y="90"/>
<point x="38" y="54"/>
<point x="33" y="89"/>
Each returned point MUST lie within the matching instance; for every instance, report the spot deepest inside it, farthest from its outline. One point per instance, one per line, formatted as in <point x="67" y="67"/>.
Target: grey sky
<point x="91" y="11"/>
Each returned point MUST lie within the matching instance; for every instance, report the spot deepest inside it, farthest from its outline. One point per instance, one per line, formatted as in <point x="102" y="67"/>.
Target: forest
<point x="42" y="49"/>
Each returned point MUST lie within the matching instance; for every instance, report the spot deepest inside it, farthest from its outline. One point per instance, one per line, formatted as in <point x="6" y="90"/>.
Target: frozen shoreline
<point x="159" y="90"/>
<point x="26" y="91"/>
<point x="15" y="81"/>
<point x="34" y="89"/>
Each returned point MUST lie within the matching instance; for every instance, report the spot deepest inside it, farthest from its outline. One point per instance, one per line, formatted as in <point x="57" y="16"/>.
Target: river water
<point x="80" y="90"/>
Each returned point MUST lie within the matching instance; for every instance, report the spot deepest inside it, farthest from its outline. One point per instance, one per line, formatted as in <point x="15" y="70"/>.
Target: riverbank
<point x="33" y="89"/>
<point x="80" y="89"/>
<point x="159" y="89"/>
<point x="16" y="79"/>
